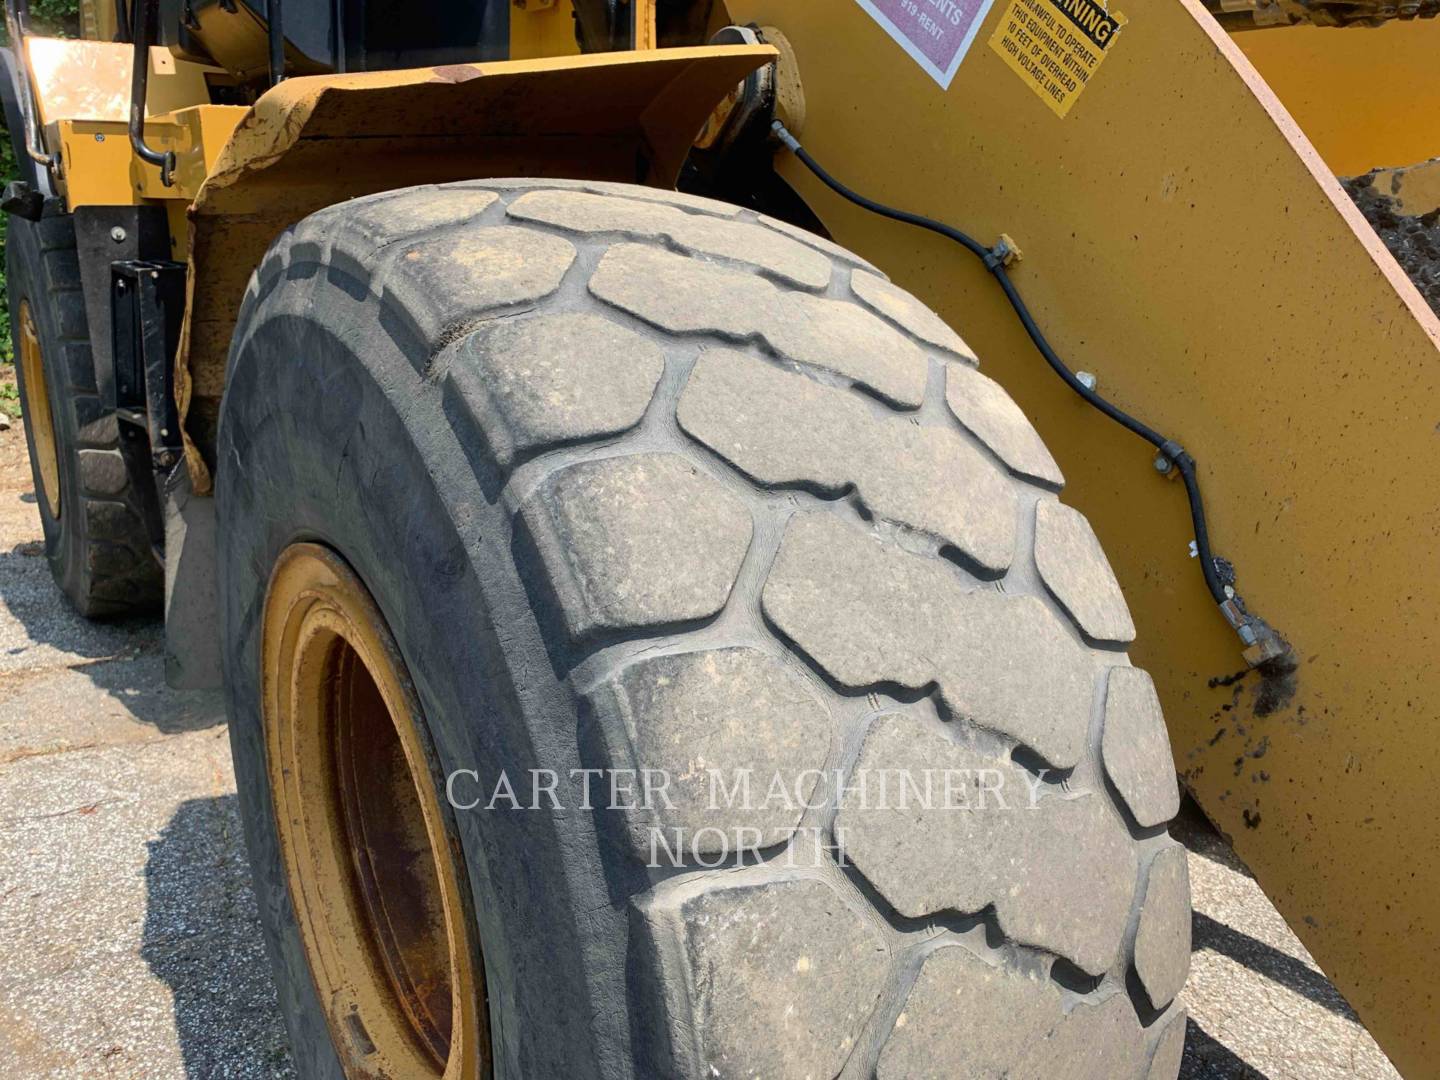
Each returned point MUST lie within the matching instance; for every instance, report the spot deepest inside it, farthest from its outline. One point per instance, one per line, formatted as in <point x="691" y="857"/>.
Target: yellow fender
<point x="314" y="141"/>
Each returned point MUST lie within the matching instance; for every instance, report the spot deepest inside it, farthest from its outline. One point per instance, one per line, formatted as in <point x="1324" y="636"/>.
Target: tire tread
<point x="696" y="290"/>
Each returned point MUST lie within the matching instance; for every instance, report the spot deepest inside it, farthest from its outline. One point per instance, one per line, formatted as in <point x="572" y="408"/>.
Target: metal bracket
<point x="20" y="199"/>
<point x="148" y="301"/>
<point x="1005" y="252"/>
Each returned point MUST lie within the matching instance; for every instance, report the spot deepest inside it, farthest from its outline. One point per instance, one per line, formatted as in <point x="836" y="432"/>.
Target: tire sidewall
<point x="65" y="538"/>
<point x="318" y="450"/>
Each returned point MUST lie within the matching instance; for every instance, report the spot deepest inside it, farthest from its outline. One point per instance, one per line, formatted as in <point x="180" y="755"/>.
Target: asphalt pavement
<point x="128" y="931"/>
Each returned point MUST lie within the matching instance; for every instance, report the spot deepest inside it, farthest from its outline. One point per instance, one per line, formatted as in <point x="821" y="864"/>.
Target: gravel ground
<point x="129" y="934"/>
<point x="130" y="937"/>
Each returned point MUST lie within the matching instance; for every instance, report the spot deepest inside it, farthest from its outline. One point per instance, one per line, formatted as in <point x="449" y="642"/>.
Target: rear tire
<point x="644" y="482"/>
<point x="96" y="540"/>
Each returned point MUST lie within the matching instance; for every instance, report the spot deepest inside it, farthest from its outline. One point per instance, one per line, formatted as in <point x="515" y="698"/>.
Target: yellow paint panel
<point x="1185" y="243"/>
<point x="98" y="167"/>
<point x="1366" y="97"/>
<point x="537" y="30"/>
<point x="90" y="80"/>
<point x="197" y="136"/>
<point x="79" y="80"/>
<point x="95" y="163"/>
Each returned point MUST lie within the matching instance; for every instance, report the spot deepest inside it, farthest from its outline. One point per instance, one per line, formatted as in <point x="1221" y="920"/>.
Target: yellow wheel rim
<point x="36" y="406"/>
<point x="378" y="889"/>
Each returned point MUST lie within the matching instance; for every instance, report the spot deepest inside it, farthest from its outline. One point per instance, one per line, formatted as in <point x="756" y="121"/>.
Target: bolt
<point x="1163" y="464"/>
<point x="1085" y="379"/>
<point x="99" y="137"/>
<point x="117" y="234"/>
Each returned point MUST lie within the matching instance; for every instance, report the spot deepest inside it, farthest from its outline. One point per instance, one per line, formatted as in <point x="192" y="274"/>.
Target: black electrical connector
<point x="1262" y="643"/>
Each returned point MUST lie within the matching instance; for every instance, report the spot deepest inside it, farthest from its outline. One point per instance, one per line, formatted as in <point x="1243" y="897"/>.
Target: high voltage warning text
<point x="1056" y="46"/>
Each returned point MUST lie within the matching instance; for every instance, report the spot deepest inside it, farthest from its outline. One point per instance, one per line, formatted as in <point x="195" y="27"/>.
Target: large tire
<point x="96" y="539"/>
<point x="644" y="481"/>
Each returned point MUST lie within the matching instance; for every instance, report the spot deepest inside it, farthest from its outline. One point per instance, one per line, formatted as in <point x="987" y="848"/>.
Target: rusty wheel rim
<point x="378" y="891"/>
<point x="38" y="417"/>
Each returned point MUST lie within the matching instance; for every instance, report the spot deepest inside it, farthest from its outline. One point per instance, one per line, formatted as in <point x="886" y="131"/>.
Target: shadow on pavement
<point x="42" y="638"/>
<point x="1208" y="1059"/>
<point x="202" y="937"/>
<point x="48" y="649"/>
<point x="1266" y="960"/>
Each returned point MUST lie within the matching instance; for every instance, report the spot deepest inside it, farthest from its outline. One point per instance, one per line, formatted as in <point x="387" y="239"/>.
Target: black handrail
<point x="124" y="32"/>
<point x="142" y="28"/>
<point x="17" y="23"/>
<point x="276" y="19"/>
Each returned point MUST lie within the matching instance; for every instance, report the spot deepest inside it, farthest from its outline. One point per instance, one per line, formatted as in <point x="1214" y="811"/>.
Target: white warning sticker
<point x="936" y="33"/>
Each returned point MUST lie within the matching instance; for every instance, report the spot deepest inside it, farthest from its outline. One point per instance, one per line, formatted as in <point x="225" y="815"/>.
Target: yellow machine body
<point x="245" y="174"/>
<point x="1185" y="242"/>
<point x="311" y="142"/>
<point x="1366" y="98"/>
<point x="1183" y="239"/>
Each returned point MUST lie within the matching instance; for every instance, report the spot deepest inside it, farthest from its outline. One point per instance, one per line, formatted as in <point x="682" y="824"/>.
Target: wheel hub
<point x="38" y="417"/>
<point x="379" y="895"/>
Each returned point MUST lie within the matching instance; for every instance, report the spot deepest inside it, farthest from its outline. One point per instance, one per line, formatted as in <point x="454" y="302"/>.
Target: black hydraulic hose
<point x="275" y="17"/>
<point x="994" y="261"/>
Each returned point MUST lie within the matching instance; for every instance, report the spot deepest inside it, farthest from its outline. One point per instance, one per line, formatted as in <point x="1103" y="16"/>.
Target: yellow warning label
<point x="1055" y="46"/>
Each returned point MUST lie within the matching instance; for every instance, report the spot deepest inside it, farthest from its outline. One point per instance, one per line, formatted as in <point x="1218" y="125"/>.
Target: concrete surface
<point x="128" y="932"/>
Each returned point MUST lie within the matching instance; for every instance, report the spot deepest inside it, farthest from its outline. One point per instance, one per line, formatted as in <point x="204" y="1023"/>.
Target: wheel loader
<point x="513" y="405"/>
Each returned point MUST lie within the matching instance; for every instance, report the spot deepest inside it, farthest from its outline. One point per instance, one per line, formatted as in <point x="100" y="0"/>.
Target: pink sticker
<point x="936" y="33"/>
